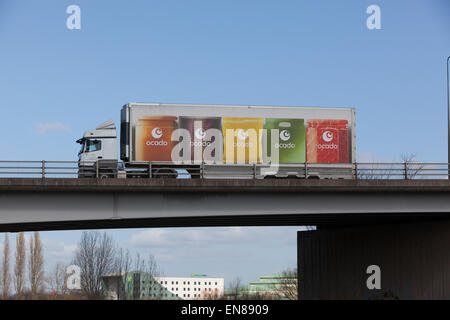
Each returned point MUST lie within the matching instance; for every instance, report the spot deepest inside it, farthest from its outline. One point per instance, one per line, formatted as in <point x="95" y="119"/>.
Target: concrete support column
<point x="413" y="260"/>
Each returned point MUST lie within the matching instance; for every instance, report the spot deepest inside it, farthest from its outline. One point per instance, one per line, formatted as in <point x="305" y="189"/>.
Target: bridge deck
<point x="205" y="185"/>
<point x="57" y="204"/>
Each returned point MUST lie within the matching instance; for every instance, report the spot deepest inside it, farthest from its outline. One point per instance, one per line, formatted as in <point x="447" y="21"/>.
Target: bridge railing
<point x="38" y="169"/>
<point x="403" y="170"/>
<point x="359" y="170"/>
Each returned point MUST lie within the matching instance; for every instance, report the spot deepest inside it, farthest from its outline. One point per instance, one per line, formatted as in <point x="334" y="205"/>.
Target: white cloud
<point x="44" y="128"/>
<point x="151" y="236"/>
<point x="58" y="250"/>
<point x="217" y="236"/>
<point x="221" y="251"/>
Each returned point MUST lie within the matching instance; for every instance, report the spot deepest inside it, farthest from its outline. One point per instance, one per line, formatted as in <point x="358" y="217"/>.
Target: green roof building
<point x="135" y="286"/>
<point x="274" y="287"/>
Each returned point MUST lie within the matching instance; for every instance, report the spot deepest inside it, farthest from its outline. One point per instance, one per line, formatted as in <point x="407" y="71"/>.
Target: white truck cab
<point x="99" y="145"/>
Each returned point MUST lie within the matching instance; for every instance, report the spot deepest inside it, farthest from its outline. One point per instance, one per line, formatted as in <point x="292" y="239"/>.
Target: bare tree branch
<point x="96" y="258"/>
<point x="36" y="265"/>
<point x="19" y="267"/>
<point x="57" y="279"/>
<point x="412" y="166"/>
<point x="6" y="276"/>
<point x="286" y="287"/>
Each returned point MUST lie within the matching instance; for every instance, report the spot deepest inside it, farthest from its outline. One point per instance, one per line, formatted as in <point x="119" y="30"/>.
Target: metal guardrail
<point x="403" y="170"/>
<point x="360" y="170"/>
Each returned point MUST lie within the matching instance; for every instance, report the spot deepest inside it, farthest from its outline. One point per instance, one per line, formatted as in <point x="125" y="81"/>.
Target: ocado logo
<point x="159" y="143"/>
<point x="200" y="134"/>
<point x="285" y="135"/>
<point x="242" y="135"/>
<point x="327" y="146"/>
<point x="327" y="136"/>
<point x="157" y="133"/>
<point x="200" y="143"/>
<point x="285" y="145"/>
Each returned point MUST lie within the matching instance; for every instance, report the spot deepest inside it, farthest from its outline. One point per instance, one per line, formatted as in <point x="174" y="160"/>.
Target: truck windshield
<point x="93" y="145"/>
<point x="83" y="143"/>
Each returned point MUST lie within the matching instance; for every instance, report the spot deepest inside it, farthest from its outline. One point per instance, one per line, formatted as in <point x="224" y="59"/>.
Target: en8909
<point x="244" y="309"/>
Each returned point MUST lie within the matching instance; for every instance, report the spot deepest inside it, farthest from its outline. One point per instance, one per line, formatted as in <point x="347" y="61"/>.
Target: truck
<point x="191" y="141"/>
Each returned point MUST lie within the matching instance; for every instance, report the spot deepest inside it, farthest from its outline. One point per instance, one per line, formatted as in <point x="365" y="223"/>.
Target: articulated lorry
<point x="221" y="142"/>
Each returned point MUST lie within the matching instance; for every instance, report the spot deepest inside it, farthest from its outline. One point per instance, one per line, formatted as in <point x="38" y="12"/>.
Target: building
<point x="141" y="285"/>
<point x="191" y="288"/>
<point x="133" y="286"/>
<point x="273" y="287"/>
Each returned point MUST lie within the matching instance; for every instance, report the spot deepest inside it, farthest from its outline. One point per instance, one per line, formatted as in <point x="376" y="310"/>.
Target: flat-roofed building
<point x="140" y="285"/>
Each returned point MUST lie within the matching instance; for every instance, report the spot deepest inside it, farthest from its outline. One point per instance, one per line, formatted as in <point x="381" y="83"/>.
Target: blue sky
<point x="56" y="83"/>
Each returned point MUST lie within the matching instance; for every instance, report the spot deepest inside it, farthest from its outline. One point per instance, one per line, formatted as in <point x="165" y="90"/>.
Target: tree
<point x="36" y="265"/>
<point x="407" y="168"/>
<point x="126" y="266"/>
<point x="412" y="166"/>
<point x="19" y="268"/>
<point x="122" y="266"/>
<point x="6" y="276"/>
<point x="151" y="268"/>
<point x="239" y="292"/>
<point x="287" y="285"/>
<point x="106" y="269"/>
<point x="210" y="295"/>
<point x="373" y="169"/>
<point x="95" y="257"/>
<point x="57" y="279"/>
<point x="235" y="289"/>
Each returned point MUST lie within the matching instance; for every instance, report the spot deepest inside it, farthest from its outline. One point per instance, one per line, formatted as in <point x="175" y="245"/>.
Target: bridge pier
<point x="414" y="261"/>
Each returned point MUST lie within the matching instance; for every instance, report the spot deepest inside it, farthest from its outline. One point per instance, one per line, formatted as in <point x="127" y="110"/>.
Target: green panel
<point x="292" y="139"/>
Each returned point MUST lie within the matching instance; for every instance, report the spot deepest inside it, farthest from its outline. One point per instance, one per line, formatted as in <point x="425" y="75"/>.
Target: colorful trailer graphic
<point x="321" y="141"/>
<point x="242" y="139"/>
<point x="291" y="143"/>
<point x="327" y="141"/>
<point x="154" y="138"/>
<point x="198" y="127"/>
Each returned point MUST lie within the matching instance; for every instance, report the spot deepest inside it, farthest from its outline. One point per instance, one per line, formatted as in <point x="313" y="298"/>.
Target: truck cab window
<point x="82" y="147"/>
<point x="93" y="145"/>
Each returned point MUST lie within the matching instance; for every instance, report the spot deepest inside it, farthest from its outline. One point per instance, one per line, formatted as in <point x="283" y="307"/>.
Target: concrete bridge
<point x="57" y="204"/>
<point x="400" y="225"/>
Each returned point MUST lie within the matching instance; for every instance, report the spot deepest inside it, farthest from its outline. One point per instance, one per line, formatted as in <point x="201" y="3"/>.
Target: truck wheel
<point x="107" y="175"/>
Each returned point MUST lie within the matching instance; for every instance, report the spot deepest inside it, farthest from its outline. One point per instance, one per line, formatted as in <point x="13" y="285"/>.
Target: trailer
<point x="222" y="142"/>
